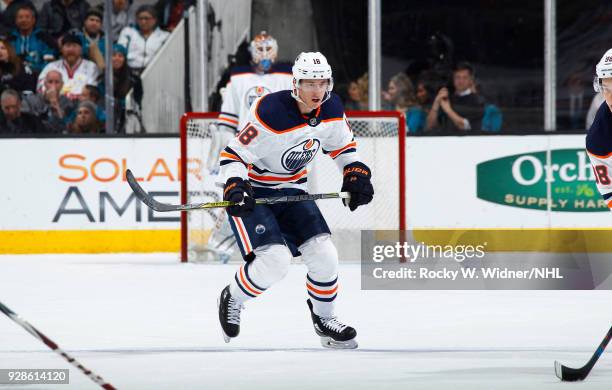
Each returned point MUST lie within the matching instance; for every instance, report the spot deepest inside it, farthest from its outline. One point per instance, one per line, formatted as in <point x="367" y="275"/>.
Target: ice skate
<point x="333" y="333"/>
<point x="229" y="315"/>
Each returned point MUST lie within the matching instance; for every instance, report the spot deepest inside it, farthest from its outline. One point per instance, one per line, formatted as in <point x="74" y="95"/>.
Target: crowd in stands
<point x="432" y="107"/>
<point x="52" y="61"/>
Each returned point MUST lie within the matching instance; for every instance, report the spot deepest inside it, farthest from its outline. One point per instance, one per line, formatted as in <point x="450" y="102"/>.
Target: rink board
<point x="70" y="196"/>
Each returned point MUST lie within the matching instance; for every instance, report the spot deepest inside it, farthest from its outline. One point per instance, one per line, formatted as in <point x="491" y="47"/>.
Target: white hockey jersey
<point x="599" y="148"/>
<point x="84" y="73"/>
<point x="278" y="142"/>
<point x="244" y="87"/>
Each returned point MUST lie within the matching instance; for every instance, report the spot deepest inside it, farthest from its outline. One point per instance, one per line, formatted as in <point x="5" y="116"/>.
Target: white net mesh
<point x="378" y="143"/>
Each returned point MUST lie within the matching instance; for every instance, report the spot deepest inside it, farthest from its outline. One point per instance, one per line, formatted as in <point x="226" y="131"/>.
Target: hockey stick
<point x="158" y="206"/>
<point x="32" y="330"/>
<point x="577" y="374"/>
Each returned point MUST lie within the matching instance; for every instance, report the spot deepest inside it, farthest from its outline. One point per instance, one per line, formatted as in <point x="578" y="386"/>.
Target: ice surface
<point x="149" y="322"/>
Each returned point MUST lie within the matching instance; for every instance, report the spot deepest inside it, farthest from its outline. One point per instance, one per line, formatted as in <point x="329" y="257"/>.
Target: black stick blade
<point x="144" y="197"/>
<point x="568" y="374"/>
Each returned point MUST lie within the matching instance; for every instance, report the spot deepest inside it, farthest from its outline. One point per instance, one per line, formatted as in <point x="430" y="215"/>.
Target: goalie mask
<point x="311" y="66"/>
<point x="603" y="70"/>
<point x="263" y="50"/>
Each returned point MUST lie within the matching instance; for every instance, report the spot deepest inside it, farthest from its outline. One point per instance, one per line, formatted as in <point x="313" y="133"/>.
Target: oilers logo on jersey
<point x="255" y="92"/>
<point x="300" y="155"/>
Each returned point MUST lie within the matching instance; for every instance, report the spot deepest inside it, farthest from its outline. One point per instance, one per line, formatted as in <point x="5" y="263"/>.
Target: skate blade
<point x="328" y="342"/>
<point x="226" y="338"/>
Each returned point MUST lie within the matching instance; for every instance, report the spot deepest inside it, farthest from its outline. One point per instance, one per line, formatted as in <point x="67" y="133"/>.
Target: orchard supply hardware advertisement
<point x="521" y="181"/>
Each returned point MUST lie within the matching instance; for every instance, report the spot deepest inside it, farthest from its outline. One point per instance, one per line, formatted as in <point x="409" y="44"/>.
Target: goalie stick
<point x="32" y="330"/>
<point x="568" y="374"/>
<point x="158" y="206"/>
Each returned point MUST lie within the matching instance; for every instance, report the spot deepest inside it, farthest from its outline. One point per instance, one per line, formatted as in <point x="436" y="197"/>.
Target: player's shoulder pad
<point x="276" y="111"/>
<point x="599" y="136"/>
<point x="241" y="69"/>
<point x="332" y="108"/>
<point x="282" y="68"/>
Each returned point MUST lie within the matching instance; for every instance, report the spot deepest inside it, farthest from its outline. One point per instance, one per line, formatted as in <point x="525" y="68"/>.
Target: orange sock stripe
<point x="321" y="292"/>
<point x="245" y="283"/>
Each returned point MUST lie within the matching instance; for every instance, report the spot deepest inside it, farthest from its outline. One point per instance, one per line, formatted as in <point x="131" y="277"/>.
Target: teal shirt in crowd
<point x="415" y="119"/>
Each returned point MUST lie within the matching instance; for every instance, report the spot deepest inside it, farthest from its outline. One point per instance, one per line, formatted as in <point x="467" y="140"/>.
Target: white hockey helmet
<point x="311" y="66"/>
<point x="603" y="70"/>
<point x="263" y="49"/>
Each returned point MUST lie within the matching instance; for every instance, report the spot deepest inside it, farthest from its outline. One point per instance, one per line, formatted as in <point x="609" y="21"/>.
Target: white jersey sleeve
<point x="341" y="145"/>
<point x="244" y="150"/>
<point x="228" y="117"/>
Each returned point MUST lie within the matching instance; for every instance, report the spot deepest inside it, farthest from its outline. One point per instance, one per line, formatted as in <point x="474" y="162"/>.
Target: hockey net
<point x="380" y="144"/>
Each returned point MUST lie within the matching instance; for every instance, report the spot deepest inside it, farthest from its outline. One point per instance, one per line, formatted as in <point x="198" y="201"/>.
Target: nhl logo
<point x="313" y="121"/>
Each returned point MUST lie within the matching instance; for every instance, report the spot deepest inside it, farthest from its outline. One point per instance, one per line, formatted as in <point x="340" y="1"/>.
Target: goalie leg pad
<point x="271" y="264"/>
<point x="321" y="258"/>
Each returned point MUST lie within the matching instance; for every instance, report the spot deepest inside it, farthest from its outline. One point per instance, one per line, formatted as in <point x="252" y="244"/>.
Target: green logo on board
<point x="521" y="181"/>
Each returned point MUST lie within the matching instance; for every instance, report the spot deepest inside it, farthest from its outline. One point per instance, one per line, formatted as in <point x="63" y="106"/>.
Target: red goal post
<point x="381" y="140"/>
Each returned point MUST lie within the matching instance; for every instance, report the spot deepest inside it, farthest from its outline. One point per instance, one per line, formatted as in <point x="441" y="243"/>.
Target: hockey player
<point x="246" y="84"/>
<point x="284" y="132"/>
<point x="599" y="136"/>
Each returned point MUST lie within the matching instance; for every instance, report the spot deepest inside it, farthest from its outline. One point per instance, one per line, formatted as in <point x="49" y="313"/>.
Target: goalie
<point x="284" y="132"/>
<point x="246" y="84"/>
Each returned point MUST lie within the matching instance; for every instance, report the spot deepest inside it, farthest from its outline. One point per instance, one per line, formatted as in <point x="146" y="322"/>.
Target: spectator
<point x="85" y="121"/>
<point x="92" y="37"/>
<point x="91" y="94"/>
<point x="171" y="12"/>
<point x="76" y="71"/>
<point x="52" y="108"/>
<point x="400" y="94"/>
<point x="143" y="42"/>
<point x="13" y="74"/>
<point x="57" y="17"/>
<point x="123" y="16"/>
<point x="423" y="95"/>
<point x="122" y="83"/>
<point x="10" y="11"/>
<point x="358" y="94"/>
<point x="13" y="121"/>
<point x="461" y="111"/>
<point x="33" y="45"/>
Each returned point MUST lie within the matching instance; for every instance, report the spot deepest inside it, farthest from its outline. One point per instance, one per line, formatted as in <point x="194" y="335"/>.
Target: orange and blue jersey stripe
<point x="229" y="155"/>
<point x="348" y="148"/>
<point x="228" y="119"/>
<point x="266" y="178"/>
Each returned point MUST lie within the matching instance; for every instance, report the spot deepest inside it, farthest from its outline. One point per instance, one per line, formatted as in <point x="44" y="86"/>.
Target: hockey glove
<point x="239" y="191"/>
<point x="357" y="181"/>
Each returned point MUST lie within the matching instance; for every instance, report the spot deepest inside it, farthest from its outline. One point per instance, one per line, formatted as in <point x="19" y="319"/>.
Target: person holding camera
<point x="461" y="111"/>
